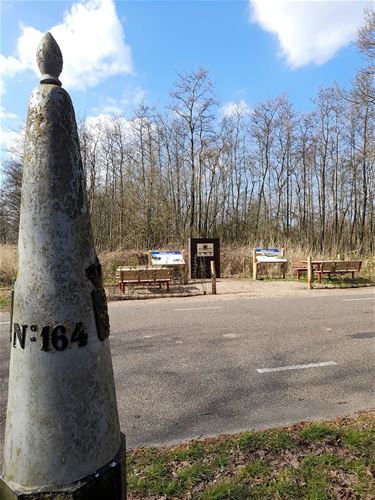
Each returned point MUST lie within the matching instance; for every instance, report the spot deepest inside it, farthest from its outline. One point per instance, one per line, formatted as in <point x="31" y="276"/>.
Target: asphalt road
<point x="188" y="367"/>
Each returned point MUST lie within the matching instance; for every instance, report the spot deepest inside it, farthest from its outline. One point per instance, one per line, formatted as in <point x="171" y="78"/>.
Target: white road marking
<point x="296" y="367"/>
<point x="367" y="298"/>
<point x="5" y="323"/>
<point x="197" y="308"/>
<point x="230" y="335"/>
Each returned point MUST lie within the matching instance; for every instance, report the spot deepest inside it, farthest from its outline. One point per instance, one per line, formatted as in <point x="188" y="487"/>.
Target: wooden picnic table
<point x="318" y="262"/>
<point x="317" y="266"/>
<point x="126" y="275"/>
<point x="322" y="266"/>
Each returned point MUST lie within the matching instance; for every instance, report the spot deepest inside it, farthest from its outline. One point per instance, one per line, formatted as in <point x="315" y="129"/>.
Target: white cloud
<point x="133" y="97"/>
<point x="5" y="115"/>
<point x="101" y="120"/>
<point x="91" y="39"/>
<point x="309" y="31"/>
<point x="104" y="123"/>
<point x="11" y="141"/>
<point x="109" y="122"/>
<point x="10" y="138"/>
<point x="233" y="108"/>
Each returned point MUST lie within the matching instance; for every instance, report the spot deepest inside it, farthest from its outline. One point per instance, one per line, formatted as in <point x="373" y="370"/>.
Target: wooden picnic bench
<point x="142" y="277"/>
<point x="299" y="267"/>
<point x="329" y="267"/>
<point x="337" y="267"/>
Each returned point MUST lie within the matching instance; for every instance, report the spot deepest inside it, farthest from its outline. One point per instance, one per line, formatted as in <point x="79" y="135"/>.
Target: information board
<point x="205" y="249"/>
<point x="269" y="255"/>
<point x="167" y="258"/>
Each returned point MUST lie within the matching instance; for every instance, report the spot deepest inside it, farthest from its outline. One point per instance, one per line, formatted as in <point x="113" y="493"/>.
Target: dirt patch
<point x="225" y="287"/>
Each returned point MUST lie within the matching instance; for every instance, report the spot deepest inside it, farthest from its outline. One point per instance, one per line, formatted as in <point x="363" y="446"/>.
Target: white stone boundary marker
<point x="62" y="437"/>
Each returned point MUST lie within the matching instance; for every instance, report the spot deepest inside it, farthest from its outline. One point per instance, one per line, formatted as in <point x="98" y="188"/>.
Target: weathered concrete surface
<point x="107" y="482"/>
<point x="62" y="422"/>
<point x="49" y="59"/>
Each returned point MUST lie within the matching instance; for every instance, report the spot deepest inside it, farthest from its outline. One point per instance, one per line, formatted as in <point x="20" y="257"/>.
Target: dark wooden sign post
<point x="201" y="252"/>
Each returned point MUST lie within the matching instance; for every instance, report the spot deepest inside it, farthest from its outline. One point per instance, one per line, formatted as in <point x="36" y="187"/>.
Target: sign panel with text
<point x="269" y="255"/>
<point x="167" y="258"/>
<point x="205" y="249"/>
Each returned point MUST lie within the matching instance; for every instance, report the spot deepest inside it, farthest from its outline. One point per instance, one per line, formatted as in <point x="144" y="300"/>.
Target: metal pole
<point x="62" y="437"/>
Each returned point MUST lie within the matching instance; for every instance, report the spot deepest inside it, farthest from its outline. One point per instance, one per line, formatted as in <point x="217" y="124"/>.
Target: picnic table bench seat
<point x="299" y="268"/>
<point x="338" y="267"/>
<point x="140" y="277"/>
<point x="328" y="267"/>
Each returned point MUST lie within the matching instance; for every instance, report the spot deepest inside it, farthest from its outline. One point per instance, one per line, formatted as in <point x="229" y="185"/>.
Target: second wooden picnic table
<point x="322" y="266"/>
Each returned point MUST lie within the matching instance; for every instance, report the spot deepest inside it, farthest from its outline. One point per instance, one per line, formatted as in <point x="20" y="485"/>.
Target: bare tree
<point x="193" y="102"/>
<point x="366" y="35"/>
<point x="10" y="200"/>
<point x="269" y="175"/>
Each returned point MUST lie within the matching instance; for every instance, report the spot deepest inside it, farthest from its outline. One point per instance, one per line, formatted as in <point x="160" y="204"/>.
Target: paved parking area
<point x="198" y="366"/>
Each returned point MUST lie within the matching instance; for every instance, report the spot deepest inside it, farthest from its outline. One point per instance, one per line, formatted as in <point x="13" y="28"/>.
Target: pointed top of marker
<point x="49" y="59"/>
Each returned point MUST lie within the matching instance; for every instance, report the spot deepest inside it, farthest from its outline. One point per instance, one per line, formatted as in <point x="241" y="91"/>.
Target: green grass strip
<point x="318" y="461"/>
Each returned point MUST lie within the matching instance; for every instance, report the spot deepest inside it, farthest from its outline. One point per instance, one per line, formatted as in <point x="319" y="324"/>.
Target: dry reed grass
<point x="111" y="260"/>
<point x="8" y="264"/>
<point x="236" y="261"/>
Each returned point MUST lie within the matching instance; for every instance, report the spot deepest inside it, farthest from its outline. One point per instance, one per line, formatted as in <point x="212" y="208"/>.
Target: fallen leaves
<point x="303" y="460"/>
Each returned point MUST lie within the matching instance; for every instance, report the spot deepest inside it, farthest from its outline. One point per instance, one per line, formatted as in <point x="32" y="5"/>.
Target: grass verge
<point x="329" y="460"/>
<point x="5" y="294"/>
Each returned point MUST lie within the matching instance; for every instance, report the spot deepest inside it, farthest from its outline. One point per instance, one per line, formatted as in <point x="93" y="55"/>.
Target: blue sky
<point x="117" y="53"/>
